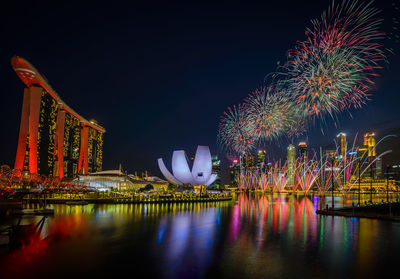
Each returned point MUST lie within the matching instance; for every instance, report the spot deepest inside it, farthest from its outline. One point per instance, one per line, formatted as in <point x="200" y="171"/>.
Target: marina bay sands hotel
<point x="54" y="140"/>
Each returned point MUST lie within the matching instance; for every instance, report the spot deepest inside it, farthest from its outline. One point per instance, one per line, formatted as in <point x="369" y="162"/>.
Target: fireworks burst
<point x="332" y="69"/>
<point x="329" y="72"/>
<point x="272" y="114"/>
<point x="236" y="132"/>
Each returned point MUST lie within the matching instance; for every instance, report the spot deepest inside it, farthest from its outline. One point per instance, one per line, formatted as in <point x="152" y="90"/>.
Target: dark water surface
<point x="255" y="236"/>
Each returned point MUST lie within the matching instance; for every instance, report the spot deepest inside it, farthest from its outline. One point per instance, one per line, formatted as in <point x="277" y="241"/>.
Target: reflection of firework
<point x="331" y="70"/>
<point x="235" y="131"/>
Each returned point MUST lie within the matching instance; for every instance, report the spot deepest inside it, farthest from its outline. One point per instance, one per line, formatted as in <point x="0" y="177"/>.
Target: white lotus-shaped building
<point x="201" y="173"/>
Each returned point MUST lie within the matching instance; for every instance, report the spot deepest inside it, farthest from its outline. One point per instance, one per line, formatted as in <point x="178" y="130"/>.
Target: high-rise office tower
<point x="369" y="142"/>
<point x="249" y="161"/>
<point x="303" y="150"/>
<point x="341" y="144"/>
<point x="234" y="171"/>
<point x="216" y="169"/>
<point x="261" y="158"/>
<point x="291" y="158"/>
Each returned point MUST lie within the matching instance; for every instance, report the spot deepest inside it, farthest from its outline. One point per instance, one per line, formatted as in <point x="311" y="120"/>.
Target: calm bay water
<point x="255" y="236"/>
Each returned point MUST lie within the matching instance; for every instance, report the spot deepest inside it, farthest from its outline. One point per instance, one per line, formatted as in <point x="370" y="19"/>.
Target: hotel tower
<point x="54" y="140"/>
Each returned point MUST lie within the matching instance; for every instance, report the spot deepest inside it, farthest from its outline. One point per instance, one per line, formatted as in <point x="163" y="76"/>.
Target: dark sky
<point x="159" y="77"/>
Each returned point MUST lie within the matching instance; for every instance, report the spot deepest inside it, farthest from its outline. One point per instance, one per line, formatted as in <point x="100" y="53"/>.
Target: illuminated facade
<point x="291" y="158"/>
<point x="249" y="161"/>
<point x="53" y="139"/>
<point x="369" y="142"/>
<point x="303" y="150"/>
<point x="341" y="144"/>
<point x="117" y="180"/>
<point x="369" y="148"/>
<point x="216" y="169"/>
<point x="234" y="171"/>
<point x="261" y="158"/>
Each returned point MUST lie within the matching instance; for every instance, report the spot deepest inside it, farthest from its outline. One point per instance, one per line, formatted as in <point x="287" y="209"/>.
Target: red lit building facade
<point x="53" y="139"/>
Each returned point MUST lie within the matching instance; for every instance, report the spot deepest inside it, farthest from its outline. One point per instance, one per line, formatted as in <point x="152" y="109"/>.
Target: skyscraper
<point x="249" y="161"/>
<point x="303" y="150"/>
<point x="216" y="169"/>
<point x="369" y="142"/>
<point x="53" y="139"/>
<point x="261" y="158"/>
<point x="291" y="158"/>
<point x="341" y="144"/>
<point x="234" y="171"/>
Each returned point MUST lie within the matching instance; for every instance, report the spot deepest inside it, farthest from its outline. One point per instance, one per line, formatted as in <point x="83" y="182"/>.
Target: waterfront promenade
<point x="115" y="198"/>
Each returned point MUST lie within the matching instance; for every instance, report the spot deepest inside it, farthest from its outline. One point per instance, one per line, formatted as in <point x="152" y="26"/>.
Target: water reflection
<point x="283" y="236"/>
<point x="255" y="235"/>
<point x="187" y="234"/>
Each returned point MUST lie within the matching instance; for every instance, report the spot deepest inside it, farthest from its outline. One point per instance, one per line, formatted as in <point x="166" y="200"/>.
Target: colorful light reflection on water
<point x="253" y="236"/>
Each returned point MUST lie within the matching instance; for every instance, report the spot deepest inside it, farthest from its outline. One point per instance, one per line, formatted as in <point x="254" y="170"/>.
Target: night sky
<point x="159" y="77"/>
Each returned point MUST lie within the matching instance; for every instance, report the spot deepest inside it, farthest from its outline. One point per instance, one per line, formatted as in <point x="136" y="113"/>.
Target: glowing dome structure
<point x="199" y="174"/>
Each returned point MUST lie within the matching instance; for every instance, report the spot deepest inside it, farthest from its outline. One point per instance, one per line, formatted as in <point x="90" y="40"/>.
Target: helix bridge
<point x="15" y="184"/>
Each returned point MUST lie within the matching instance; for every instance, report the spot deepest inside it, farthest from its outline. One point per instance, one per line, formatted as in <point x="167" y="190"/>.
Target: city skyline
<point x="139" y="112"/>
<point x="231" y="139"/>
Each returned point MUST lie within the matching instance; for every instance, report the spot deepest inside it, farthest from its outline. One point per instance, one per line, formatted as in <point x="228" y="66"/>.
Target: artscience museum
<point x="182" y="173"/>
